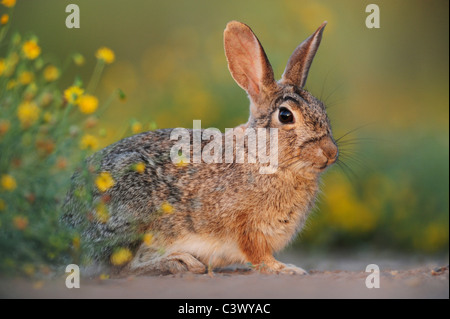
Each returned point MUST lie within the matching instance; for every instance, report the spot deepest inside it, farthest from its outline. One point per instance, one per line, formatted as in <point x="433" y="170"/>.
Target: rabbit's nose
<point x="329" y="149"/>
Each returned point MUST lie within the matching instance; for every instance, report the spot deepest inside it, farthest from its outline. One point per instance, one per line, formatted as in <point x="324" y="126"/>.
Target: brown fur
<point x="222" y="213"/>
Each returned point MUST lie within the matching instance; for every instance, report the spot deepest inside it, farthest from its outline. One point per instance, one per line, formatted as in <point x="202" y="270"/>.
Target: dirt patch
<point x="423" y="282"/>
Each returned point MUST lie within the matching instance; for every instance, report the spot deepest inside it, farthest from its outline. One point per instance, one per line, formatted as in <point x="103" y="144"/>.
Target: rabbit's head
<point x="305" y="141"/>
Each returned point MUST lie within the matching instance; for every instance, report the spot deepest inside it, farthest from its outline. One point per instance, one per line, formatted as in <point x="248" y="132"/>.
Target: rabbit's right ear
<point x="300" y="61"/>
<point x="247" y="61"/>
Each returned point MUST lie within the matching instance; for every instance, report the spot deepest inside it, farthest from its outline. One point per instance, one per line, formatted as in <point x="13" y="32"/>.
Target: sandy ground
<point x="330" y="277"/>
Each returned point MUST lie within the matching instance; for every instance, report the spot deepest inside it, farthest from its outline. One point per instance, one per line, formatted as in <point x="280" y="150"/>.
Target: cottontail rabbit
<point x="190" y="216"/>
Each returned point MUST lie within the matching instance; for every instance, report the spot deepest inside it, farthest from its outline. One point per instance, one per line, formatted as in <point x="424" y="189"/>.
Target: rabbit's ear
<point x="300" y="61"/>
<point x="247" y="61"/>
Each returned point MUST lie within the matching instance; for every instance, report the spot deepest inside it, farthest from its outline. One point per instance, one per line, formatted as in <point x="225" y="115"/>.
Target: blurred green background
<point x="390" y="84"/>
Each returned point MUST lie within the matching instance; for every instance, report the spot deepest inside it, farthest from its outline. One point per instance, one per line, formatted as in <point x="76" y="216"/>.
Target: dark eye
<point x="285" y="116"/>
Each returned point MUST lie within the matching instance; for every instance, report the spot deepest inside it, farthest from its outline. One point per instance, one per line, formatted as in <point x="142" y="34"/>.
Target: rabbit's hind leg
<point x="153" y="262"/>
<point x="183" y="262"/>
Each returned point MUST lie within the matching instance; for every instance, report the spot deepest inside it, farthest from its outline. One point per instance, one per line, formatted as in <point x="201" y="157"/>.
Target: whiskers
<point x="350" y="156"/>
<point x="351" y="160"/>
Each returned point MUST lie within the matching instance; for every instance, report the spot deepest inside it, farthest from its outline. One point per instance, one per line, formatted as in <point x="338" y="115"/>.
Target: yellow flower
<point x="140" y="167"/>
<point x="105" y="54"/>
<point x="2" y="66"/>
<point x="148" y="239"/>
<point x="88" y="104"/>
<point x="9" y="3"/>
<point x="182" y="161"/>
<point x="76" y="242"/>
<point x="20" y="222"/>
<point x="103" y="277"/>
<point x="8" y="182"/>
<point x="73" y="94"/>
<point x="167" y="208"/>
<point x="31" y="49"/>
<point x="101" y="212"/>
<point x="435" y="236"/>
<point x="11" y="84"/>
<point x="10" y="64"/>
<point x="89" y="141"/>
<point x="4" y="19"/>
<point x="4" y="126"/>
<point x="26" y="77"/>
<point x="104" y="181"/>
<point x="48" y="117"/>
<point x="31" y="91"/>
<point x="121" y="256"/>
<point x="136" y="127"/>
<point x="51" y="73"/>
<point x="78" y="59"/>
<point x="28" y="113"/>
<point x="2" y="205"/>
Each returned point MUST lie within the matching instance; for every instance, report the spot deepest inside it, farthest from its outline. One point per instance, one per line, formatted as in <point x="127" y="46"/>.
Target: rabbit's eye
<point x="285" y="116"/>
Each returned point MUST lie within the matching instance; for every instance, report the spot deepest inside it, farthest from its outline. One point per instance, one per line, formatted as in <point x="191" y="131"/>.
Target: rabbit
<point x="204" y="216"/>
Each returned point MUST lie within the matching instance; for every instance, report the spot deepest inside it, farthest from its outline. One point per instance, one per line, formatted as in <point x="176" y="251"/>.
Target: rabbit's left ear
<point x="247" y="61"/>
<point x="300" y="61"/>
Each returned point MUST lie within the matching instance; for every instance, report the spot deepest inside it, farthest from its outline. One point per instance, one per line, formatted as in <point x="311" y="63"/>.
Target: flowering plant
<point x="45" y="132"/>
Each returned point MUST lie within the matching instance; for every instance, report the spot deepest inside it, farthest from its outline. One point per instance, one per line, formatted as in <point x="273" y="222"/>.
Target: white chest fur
<point x="215" y="252"/>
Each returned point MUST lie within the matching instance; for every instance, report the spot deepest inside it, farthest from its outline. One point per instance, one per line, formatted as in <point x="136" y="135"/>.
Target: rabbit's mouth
<point x="318" y="154"/>
<point x="323" y="166"/>
<point x="319" y="168"/>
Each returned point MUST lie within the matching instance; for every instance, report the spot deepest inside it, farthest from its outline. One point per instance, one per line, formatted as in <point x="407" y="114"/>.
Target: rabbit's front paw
<point x="276" y="267"/>
<point x="290" y="269"/>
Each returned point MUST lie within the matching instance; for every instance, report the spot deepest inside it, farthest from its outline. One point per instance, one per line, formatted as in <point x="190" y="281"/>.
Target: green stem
<point x="5" y="28"/>
<point x="62" y="123"/>
<point x="106" y="104"/>
<point x="95" y="76"/>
